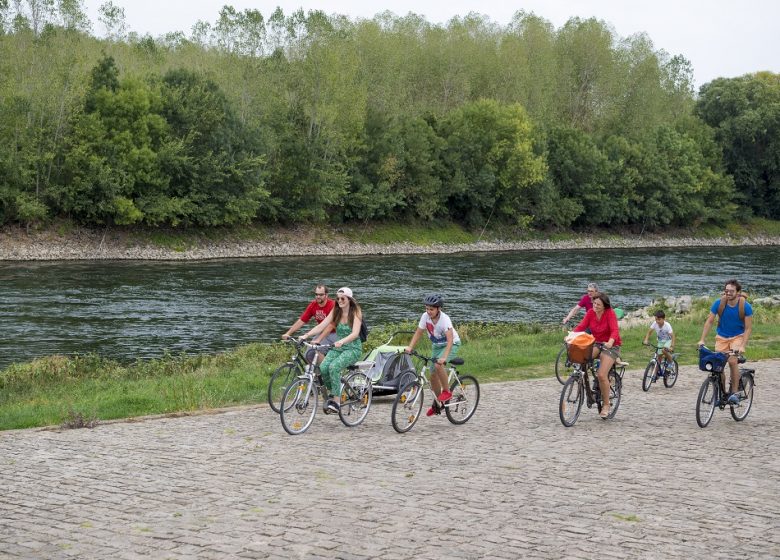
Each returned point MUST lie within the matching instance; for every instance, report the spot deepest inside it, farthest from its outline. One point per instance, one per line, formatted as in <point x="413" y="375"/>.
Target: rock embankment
<point x="91" y="245"/>
<point x="680" y="305"/>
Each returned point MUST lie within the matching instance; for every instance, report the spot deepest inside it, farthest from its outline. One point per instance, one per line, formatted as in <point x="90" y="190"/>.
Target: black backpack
<point x="363" y="330"/>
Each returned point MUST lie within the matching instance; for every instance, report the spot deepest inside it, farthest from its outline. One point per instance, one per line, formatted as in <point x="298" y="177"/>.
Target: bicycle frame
<point x="581" y="374"/>
<point x="720" y="376"/>
<point x="309" y="370"/>
<point x="422" y="376"/>
<point x="592" y="367"/>
<point x="658" y="354"/>
<point x="297" y="359"/>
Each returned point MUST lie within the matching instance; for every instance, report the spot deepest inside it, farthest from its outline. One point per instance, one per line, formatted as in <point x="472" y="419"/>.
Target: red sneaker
<point x="444" y="396"/>
<point x="430" y="412"/>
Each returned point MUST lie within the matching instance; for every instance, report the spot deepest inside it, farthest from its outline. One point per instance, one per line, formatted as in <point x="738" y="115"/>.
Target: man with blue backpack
<point x="735" y="323"/>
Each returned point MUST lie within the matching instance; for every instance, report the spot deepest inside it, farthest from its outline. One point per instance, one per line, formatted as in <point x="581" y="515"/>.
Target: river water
<point x="140" y="309"/>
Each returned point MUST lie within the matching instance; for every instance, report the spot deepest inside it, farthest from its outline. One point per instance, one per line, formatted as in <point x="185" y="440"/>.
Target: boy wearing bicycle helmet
<point x="445" y="344"/>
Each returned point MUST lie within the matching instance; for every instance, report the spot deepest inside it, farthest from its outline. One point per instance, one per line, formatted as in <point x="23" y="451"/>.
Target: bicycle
<point x="660" y="368"/>
<point x="578" y="387"/>
<point x="409" y="401"/>
<point x="301" y="398"/>
<point x="712" y="391"/>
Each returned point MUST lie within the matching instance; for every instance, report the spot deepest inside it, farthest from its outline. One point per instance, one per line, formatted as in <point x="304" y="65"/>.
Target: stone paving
<point x="511" y="483"/>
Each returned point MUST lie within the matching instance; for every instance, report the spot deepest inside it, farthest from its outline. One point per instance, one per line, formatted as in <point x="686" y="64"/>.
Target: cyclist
<point x="318" y="309"/>
<point x="602" y="323"/>
<point x="586" y="302"/>
<point x="347" y="349"/>
<point x="664" y="333"/>
<point x="733" y="331"/>
<point x="445" y="344"/>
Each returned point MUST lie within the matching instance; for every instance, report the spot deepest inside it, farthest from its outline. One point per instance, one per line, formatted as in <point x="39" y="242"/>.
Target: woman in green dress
<point x="348" y="317"/>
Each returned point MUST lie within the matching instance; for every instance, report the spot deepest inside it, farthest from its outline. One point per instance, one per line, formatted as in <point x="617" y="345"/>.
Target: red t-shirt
<point x="586" y="302"/>
<point x="319" y="313"/>
<point x="602" y="330"/>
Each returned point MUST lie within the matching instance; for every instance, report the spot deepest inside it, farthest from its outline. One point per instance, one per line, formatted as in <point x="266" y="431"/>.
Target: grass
<point x="82" y="391"/>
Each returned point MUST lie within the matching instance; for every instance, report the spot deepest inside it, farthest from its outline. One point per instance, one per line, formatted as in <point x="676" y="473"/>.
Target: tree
<point x="113" y="19"/>
<point x="214" y="168"/>
<point x="579" y="173"/>
<point x="72" y="15"/>
<point x="745" y="112"/>
<point x="398" y="173"/>
<point x="490" y="162"/>
<point x="113" y="153"/>
<point x="5" y="7"/>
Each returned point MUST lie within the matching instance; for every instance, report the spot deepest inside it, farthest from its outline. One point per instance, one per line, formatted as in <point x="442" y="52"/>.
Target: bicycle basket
<point x="579" y="347"/>
<point x="712" y="361"/>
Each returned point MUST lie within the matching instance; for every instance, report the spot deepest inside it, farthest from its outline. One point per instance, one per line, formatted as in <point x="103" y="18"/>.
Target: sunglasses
<point x="319" y="295"/>
<point x="342" y="298"/>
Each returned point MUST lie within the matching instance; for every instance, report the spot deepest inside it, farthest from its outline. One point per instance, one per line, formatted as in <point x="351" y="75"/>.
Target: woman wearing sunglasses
<point x="348" y="317"/>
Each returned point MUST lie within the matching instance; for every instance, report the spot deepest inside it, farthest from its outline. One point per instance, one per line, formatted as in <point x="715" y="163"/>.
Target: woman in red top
<point x="603" y="325"/>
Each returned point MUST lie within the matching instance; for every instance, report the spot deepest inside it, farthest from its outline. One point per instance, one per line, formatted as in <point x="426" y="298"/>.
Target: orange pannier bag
<point x="579" y="346"/>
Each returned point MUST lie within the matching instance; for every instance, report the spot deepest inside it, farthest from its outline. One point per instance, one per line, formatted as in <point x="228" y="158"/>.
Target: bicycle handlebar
<point x="300" y="342"/>
<point x="428" y="359"/>
<point x="654" y="346"/>
<point x="741" y="358"/>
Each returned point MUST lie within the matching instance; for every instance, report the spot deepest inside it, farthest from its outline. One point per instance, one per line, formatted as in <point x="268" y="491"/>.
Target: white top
<point x="438" y="332"/>
<point x="664" y="333"/>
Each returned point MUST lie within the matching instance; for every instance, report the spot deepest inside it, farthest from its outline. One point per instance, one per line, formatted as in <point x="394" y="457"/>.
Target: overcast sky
<point x="720" y="37"/>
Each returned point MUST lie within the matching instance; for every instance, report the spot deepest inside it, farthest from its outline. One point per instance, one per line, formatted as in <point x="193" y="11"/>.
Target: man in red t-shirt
<point x="586" y="303"/>
<point x="319" y="308"/>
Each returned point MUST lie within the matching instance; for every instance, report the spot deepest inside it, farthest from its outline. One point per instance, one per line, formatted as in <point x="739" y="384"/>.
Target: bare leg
<point x="734" y="367"/>
<point x="603" y="374"/>
<point x="439" y="380"/>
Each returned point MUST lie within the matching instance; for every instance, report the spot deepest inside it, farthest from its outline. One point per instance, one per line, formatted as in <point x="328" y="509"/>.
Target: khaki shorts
<point x="726" y="344"/>
<point x="613" y="352"/>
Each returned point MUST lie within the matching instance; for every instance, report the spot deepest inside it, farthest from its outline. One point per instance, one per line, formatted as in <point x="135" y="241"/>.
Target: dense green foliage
<point x="308" y="117"/>
<point x="746" y="115"/>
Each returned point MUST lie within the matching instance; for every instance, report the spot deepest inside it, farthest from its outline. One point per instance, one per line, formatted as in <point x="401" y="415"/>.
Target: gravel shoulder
<point x="17" y="245"/>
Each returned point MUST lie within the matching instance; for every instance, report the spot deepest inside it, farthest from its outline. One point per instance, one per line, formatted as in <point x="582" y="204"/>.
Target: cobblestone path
<point x="511" y="483"/>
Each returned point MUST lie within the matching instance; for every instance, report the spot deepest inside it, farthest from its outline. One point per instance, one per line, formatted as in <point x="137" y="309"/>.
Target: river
<point x="140" y="309"/>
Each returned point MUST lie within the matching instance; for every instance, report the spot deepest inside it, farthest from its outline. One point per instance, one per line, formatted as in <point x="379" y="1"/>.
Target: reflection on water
<point x="128" y="310"/>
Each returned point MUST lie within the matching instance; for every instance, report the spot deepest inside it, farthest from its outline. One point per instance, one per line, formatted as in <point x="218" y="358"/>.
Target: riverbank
<point x="115" y="244"/>
<point x="82" y="390"/>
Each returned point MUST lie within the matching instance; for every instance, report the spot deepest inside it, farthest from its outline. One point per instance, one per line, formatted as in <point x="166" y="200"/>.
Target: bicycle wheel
<point x="570" y="404"/>
<point x="464" y="401"/>
<point x="615" y="392"/>
<point x="741" y="411"/>
<point x="706" y="403"/>
<point x="647" y="380"/>
<point x="563" y="367"/>
<point x="298" y="406"/>
<point x="670" y="377"/>
<point x="279" y="382"/>
<point x="407" y="407"/>
<point x="355" y="399"/>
